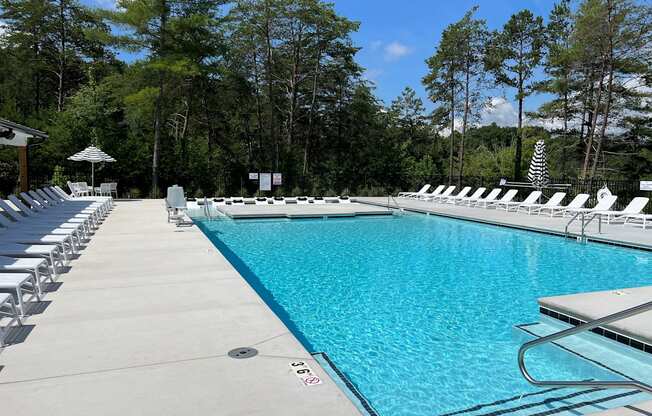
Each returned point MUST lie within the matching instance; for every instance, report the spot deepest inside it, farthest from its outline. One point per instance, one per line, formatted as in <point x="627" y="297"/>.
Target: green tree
<point x="445" y="85"/>
<point x="512" y="57"/>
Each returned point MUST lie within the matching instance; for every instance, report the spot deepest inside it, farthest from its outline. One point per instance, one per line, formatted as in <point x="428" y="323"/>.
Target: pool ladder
<point x="207" y="209"/>
<point x="580" y="214"/>
<point x="587" y="326"/>
<point x="389" y="207"/>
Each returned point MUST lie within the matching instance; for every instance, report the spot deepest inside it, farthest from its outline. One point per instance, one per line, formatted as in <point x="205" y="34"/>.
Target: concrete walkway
<point x="142" y="324"/>
<point x="614" y="233"/>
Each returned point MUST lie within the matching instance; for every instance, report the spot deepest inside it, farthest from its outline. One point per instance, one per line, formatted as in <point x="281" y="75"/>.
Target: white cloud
<point x="500" y="111"/>
<point x="396" y="50"/>
<point x="372" y="74"/>
<point x="106" y="4"/>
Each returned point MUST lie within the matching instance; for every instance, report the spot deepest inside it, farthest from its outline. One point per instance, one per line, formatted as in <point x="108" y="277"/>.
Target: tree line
<point x="201" y="92"/>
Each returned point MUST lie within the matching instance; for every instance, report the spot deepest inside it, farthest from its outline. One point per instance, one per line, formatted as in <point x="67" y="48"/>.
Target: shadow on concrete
<point x="37" y="308"/>
<point x="18" y="335"/>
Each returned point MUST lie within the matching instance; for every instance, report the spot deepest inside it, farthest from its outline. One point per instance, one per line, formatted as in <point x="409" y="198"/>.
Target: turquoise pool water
<point x="419" y="311"/>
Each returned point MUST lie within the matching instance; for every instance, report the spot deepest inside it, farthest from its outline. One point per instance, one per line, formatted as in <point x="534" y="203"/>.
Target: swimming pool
<point x="419" y="311"/>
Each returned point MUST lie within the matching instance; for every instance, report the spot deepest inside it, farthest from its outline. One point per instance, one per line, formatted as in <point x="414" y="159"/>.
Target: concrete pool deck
<point x="142" y="324"/>
<point x="613" y="233"/>
<point x="594" y="305"/>
<point x="301" y="210"/>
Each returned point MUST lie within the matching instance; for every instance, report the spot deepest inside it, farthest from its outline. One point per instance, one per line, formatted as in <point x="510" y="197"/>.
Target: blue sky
<point x="396" y="41"/>
<point x="397" y="37"/>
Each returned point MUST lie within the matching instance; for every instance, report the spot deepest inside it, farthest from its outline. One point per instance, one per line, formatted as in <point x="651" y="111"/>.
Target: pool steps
<point x="591" y="356"/>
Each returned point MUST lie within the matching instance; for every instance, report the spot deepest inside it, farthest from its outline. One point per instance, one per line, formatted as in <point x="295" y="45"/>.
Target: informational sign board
<point x="646" y="185"/>
<point x="253" y="176"/>
<point x="277" y="179"/>
<point x="265" y="181"/>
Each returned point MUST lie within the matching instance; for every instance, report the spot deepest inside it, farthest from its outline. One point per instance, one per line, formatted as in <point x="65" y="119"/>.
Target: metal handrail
<point x="577" y="214"/>
<point x="633" y="384"/>
<point x="207" y="209"/>
<point x="584" y="223"/>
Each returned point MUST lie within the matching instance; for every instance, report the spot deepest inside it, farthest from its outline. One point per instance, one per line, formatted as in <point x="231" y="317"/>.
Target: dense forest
<point x="217" y="89"/>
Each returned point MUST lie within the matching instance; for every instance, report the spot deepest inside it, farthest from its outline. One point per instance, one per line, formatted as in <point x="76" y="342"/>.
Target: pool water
<point x="419" y="311"/>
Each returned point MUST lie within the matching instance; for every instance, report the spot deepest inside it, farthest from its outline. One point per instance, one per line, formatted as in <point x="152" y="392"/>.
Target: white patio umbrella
<point x="538" y="173"/>
<point x="94" y="155"/>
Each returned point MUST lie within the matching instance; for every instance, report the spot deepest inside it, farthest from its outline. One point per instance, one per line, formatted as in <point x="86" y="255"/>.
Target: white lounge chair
<point x="90" y="216"/>
<point x="638" y="220"/>
<point x="577" y="202"/>
<point x="508" y="197"/>
<point x="421" y="191"/>
<point x="21" y="284"/>
<point x="278" y="200"/>
<point x="635" y="207"/>
<point x="303" y="200"/>
<point x="444" y="194"/>
<point x="105" y="202"/>
<point x="474" y="196"/>
<point x="344" y="199"/>
<point x="36" y="235"/>
<point x="453" y="199"/>
<point x="48" y="252"/>
<point x="261" y="200"/>
<point x="318" y="200"/>
<point x="530" y="199"/>
<point x="81" y="208"/>
<point x="438" y="190"/>
<point x="38" y="267"/>
<point x="82" y="226"/>
<point x="604" y="204"/>
<point x="491" y="197"/>
<point x="554" y="201"/>
<point x="8" y="309"/>
<point x="29" y="218"/>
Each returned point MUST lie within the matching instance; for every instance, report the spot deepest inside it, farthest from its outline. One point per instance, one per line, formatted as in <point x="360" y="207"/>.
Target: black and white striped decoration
<point x="538" y="173"/>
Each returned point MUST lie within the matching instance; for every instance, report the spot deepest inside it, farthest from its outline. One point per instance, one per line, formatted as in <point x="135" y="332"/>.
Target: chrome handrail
<point x="633" y="384"/>
<point x="577" y="214"/>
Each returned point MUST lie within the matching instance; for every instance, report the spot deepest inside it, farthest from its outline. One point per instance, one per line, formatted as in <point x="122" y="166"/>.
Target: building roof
<point x="21" y="134"/>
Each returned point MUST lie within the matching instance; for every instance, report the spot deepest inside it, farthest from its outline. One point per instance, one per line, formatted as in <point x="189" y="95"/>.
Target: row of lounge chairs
<point x="279" y="200"/>
<point x="631" y="214"/>
<point x="40" y="231"/>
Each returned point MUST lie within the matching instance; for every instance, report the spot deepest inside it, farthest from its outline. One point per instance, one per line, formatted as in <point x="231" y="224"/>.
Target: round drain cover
<point x="243" y="352"/>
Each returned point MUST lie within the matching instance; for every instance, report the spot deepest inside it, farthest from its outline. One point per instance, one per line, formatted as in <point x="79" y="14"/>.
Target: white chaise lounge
<point x="532" y="198"/>
<point x="635" y="207"/>
<point x="554" y="201"/>
<point x="8" y="309"/>
<point x="421" y="191"/>
<point x="508" y="197"/>
<point x="577" y="202"/>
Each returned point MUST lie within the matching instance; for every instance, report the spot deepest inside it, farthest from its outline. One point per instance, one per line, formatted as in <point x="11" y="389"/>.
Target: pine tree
<point x="512" y="57"/>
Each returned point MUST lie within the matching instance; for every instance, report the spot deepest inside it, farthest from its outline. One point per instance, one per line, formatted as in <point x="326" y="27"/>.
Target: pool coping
<point x="589" y="237"/>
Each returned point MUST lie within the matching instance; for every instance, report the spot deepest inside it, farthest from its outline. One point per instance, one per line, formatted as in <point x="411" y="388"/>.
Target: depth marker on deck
<point x="303" y="371"/>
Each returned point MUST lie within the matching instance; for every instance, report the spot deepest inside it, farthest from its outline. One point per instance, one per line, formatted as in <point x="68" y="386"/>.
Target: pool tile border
<point x="607" y="333"/>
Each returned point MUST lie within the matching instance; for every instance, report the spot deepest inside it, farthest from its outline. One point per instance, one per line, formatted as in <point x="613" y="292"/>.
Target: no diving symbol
<point x="312" y="380"/>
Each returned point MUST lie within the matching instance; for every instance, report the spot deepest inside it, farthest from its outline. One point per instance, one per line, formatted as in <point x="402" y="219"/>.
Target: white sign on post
<point x="253" y="176"/>
<point x="277" y="179"/>
<point x="265" y="181"/>
<point x="646" y="185"/>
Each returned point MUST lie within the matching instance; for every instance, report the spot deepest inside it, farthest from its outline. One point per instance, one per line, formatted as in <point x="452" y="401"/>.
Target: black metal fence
<point x="625" y="190"/>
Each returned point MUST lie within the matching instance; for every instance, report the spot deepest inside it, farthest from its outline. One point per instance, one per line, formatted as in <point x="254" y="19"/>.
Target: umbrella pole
<point x="92" y="178"/>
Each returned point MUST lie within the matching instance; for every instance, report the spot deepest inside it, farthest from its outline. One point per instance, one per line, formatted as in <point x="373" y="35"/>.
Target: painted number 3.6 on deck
<point x="305" y="374"/>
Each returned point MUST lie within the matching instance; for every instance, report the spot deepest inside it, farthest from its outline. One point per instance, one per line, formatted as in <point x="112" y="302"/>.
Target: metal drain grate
<point x="243" y="352"/>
